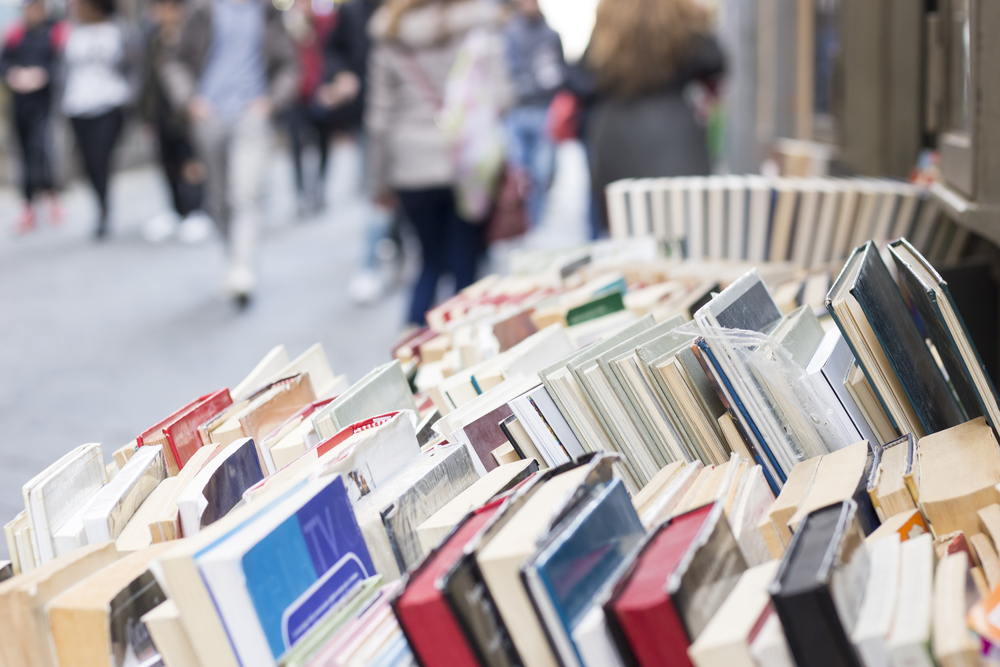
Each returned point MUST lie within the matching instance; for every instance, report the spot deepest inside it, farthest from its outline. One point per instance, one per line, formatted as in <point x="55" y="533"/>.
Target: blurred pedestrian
<point x="234" y="67"/>
<point x="412" y="158"/>
<point x="538" y="71"/>
<point x="28" y="63"/>
<point x="345" y="93"/>
<point x="183" y="170"/>
<point x="103" y="78"/>
<point x="308" y="124"/>
<point x="643" y="56"/>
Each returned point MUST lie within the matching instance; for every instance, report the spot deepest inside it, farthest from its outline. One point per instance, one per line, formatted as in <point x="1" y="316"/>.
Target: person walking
<point x="234" y="68"/>
<point x="180" y="164"/>
<point x="411" y="158"/>
<point x="643" y="55"/>
<point x="31" y="52"/>
<point x="307" y="120"/>
<point x="538" y="71"/>
<point x="103" y="61"/>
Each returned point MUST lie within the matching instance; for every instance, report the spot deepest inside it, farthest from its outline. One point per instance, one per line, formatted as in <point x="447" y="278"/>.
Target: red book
<point x="427" y="620"/>
<point x="182" y="433"/>
<point x="157" y="434"/>
<point x="641" y="613"/>
<point x="348" y="431"/>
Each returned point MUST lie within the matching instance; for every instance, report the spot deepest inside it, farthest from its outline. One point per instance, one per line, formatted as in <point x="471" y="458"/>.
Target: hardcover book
<point x="219" y="486"/>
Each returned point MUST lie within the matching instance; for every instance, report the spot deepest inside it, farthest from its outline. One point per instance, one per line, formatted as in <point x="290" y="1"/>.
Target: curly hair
<point x="638" y="45"/>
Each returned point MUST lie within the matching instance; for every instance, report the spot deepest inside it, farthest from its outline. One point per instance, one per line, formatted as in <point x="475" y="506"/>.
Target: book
<point x="577" y="560"/>
<point x="872" y="410"/>
<point x="753" y="502"/>
<point x="818" y="612"/>
<point x="430" y="624"/>
<point x="167" y="525"/>
<point x="841" y="475"/>
<point x="598" y="307"/>
<point x="58" y="492"/>
<point x="770" y="647"/>
<point x="499" y="563"/>
<point x="727" y="637"/>
<point x="218" y="486"/>
<point x="23" y="600"/>
<point x="99" y="620"/>
<point x="178" y="433"/>
<point x="679" y="579"/>
<point x="555" y="441"/>
<point x="114" y="505"/>
<point x="502" y="478"/>
<point x="383" y="390"/>
<point x="954" y="594"/>
<point x="668" y="501"/>
<point x="642" y="500"/>
<point x="163" y="623"/>
<point x="869" y="310"/>
<point x="519" y="439"/>
<point x="947" y="331"/>
<point x="6" y="570"/>
<point x="389" y="515"/>
<point x="878" y="606"/>
<point x="887" y="486"/>
<point x="485" y="435"/>
<point x="957" y="473"/>
<point x="266" y="368"/>
<point x="774" y="527"/>
<point x="832" y="362"/>
<point x="313" y="365"/>
<point x="273" y="578"/>
<point x="136" y="535"/>
<point x="905" y="525"/>
<point x="986" y="553"/>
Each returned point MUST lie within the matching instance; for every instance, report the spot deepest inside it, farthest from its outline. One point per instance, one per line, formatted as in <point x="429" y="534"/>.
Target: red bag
<point x="508" y="219"/>
<point x="563" y="117"/>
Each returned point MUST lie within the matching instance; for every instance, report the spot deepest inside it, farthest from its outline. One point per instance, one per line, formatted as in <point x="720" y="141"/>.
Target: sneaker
<point x="160" y="227"/>
<point x="365" y="287"/>
<point x="26" y="221"/>
<point x="240" y="283"/>
<point x="195" y="228"/>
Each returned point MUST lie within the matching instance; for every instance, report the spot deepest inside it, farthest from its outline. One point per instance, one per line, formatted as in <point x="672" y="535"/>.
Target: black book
<point x="865" y="291"/>
<point x="818" y="590"/>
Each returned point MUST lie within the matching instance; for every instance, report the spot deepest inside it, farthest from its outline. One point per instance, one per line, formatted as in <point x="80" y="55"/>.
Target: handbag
<point x="563" y="119"/>
<point x="508" y="219"/>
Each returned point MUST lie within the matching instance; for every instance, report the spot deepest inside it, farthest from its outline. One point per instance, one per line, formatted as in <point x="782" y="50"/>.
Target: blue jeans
<point x="530" y="150"/>
<point x="449" y="245"/>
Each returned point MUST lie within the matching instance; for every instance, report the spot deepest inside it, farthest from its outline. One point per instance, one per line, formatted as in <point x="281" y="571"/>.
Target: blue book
<point x="578" y="560"/>
<point x="276" y="577"/>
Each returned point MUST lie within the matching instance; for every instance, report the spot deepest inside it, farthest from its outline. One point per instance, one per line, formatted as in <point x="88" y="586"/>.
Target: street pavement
<point x="100" y="340"/>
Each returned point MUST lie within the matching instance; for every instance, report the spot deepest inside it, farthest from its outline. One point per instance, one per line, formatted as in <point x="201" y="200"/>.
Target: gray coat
<point x="183" y="67"/>
<point x="653" y="135"/>
<point x="406" y="83"/>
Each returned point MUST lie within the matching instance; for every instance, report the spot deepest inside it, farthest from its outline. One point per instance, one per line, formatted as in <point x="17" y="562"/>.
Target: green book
<point x="383" y="390"/>
<point x="599" y="307"/>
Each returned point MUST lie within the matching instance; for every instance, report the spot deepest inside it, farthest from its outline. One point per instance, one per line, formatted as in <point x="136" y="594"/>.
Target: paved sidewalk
<point x="98" y="341"/>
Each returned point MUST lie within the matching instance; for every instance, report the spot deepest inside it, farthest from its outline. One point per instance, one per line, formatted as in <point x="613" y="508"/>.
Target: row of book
<point x="608" y="459"/>
<point x="811" y="222"/>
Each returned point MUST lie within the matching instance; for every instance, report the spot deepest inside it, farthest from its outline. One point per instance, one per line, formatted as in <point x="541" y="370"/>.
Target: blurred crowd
<point x="456" y="106"/>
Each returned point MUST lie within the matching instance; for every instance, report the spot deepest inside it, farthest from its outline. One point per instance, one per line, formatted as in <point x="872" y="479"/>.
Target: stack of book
<point x="619" y="466"/>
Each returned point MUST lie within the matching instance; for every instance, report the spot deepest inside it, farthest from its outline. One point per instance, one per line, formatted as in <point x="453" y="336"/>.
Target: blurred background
<point x="186" y="183"/>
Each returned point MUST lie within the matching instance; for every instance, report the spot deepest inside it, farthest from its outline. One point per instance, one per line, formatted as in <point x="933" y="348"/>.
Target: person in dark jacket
<point x="643" y="55"/>
<point x="31" y="51"/>
<point x="183" y="171"/>
<point x="538" y="71"/>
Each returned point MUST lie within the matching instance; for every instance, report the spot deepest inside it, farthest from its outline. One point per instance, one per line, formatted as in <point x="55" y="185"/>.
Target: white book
<point x="219" y="486"/>
<point x="751" y="506"/>
<point x="665" y="504"/>
<point x="827" y="224"/>
<point x="118" y="500"/>
<point x="545" y="441"/>
<point x="555" y="421"/>
<point x="736" y="213"/>
<point x="878" y="606"/>
<point x="52" y="497"/>
<point x="72" y="535"/>
<point x="910" y="637"/>
<point x="659" y="211"/>
<point x="638" y="208"/>
<point x="678" y="208"/>
<point x="833" y="360"/>
<point x="696" y="218"/>
<point x="759" y="219"/>
<point x="313" y="361"/>
<point x="716" y="218"/>
<point x="594" y="642"/>
<point x="616" y="195"/>
<point x="537" y="351"/>
<point x="807" y="221"/>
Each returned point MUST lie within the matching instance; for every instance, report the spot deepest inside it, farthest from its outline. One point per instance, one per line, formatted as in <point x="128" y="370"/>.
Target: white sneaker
<point x="195" y="228"/>
<point x="365" y="287"/>
<point x="160" y="227"/>
<point x="239" y="281"/>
